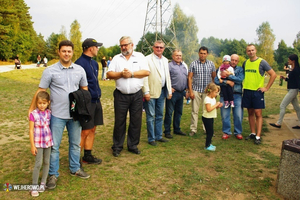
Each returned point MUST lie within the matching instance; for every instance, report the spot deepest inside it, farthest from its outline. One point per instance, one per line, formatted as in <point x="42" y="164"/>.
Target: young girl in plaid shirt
<point x="40" y="139"/>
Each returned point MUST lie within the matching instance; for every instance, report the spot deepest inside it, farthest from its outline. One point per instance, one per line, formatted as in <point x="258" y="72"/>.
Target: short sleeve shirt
<point x="201" y="74"/>
<point x="62" y="81"/>
<point x="136" y="62"/>
<point x="213" y="113"/>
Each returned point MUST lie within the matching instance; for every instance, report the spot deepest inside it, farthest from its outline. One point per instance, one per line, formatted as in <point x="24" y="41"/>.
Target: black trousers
<point x="227" y="92"/>
<point x="209" y="127"/>
<point x="122" y="104"/>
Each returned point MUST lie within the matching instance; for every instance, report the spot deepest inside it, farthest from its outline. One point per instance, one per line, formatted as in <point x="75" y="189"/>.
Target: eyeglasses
<point x="125" y="45"/>
<point x="157" y="47"/>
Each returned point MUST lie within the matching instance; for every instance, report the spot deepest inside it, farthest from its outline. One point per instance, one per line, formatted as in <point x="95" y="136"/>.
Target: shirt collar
<point x="62" y="67"/>
<point x="174" y="63"/>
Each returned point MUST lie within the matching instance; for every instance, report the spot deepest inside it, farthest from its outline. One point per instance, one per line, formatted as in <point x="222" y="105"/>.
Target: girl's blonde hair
<point x="43" y="95"/>
<point x="211" y="87"/>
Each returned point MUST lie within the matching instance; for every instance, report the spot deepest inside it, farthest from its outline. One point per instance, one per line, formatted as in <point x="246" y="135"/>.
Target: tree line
<point x="19" y="37"/>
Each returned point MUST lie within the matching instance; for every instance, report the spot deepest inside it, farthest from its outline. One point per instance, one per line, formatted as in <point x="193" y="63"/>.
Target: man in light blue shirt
<point x="178" y="74"/>
<point x="62" y="78"/>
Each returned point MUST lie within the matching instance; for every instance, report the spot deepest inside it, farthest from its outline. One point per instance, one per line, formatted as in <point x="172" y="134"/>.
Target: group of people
<point x="156" y="81"/>
<point x="40" y="61"/>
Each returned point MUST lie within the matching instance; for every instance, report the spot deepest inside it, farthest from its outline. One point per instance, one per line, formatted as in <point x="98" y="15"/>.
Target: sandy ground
<point x="6" y="68"/>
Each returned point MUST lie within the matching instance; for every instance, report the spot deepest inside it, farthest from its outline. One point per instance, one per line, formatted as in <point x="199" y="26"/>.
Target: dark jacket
<point x="80" y="106"/>
<point x="91" y="69"/>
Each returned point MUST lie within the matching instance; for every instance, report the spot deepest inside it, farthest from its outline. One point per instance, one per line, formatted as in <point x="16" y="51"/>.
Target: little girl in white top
<point x="210" y="112"/>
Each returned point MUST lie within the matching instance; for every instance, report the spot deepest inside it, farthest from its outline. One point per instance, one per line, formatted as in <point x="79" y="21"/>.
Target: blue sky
<point x="107" y="21"/>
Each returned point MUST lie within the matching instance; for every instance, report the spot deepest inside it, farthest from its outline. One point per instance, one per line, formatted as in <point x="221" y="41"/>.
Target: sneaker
<point x="81" y="174"/>
<point x="251" y="136"/>
<point x="231" y="104"/>
<point x="90" y="159"/>
<point x="211" y="148"/>
<point x="227" y="105"/>
<point x="225" y="136"/>
<point x="51" y="184"/>
<point x="239" y="136"/>
<point x="257" y="141"/>
<point x="34" y="193"/>
<point x="192" y="133"/>
<point x="42" y="187"/>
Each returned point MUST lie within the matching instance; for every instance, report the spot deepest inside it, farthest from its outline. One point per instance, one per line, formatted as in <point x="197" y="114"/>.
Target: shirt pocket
<point x="76" y="77"/>
<point x="58" y="79"/>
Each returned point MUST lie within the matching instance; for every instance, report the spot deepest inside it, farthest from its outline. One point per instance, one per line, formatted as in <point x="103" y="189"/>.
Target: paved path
<point x="6" y="68"/>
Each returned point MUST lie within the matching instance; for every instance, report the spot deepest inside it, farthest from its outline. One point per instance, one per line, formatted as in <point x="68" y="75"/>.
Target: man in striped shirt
<point x="201" y="73"/>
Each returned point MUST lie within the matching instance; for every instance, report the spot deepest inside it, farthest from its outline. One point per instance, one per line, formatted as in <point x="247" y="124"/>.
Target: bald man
<point x="234" y="81"/>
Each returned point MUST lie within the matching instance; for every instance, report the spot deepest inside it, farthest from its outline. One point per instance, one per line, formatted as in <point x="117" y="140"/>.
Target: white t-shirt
<point x="212" y="102"/>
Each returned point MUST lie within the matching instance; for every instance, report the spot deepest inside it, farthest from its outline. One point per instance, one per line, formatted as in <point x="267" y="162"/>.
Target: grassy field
<point x="179" y="169"/>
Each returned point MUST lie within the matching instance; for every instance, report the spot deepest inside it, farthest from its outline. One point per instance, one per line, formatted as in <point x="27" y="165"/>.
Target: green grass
<point x="179" y="169"/>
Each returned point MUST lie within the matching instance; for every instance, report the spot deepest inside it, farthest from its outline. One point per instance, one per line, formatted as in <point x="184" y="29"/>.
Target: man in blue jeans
<point x="63" y="78"/>
<point x="234" y="81"/>
<point x="157" y="87"/>
<point x="178" y="73"/>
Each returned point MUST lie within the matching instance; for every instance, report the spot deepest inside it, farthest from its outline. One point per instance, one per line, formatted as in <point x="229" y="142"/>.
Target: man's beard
<point x="127" y="52"/>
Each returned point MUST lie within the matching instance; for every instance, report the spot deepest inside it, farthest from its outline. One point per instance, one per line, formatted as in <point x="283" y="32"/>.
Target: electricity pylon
<point x="159" y="21"/>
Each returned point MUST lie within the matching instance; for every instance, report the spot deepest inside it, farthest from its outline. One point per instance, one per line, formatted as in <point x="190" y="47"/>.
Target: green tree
<point x="75" y="37"/>
<point x="39" y="48"/>
<point x="113" y="50"/>
<point x="17" y="33"/>
<point x="214" y="45"/>
<point x="61" y="36"/>
<point x="52" y="46"/>
<point x="186" y="34"/>
<point x="296" y="43"/>
<point x="266" y="40"/>
<point x="282" y="53"/>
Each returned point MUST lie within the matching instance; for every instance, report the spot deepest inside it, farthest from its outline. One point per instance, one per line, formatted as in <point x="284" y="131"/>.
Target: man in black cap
<point x="90" y="49"/>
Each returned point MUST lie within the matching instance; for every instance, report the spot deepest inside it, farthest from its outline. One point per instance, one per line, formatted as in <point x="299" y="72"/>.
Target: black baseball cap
<point x="90" y="42"/>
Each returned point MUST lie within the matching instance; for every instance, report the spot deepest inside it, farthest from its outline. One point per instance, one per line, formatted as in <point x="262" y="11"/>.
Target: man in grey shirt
<point x="62" y="78"/>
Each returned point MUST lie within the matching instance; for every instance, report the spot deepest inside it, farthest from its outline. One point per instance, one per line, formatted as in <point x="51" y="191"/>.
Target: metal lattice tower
<point x="158" y="21"/>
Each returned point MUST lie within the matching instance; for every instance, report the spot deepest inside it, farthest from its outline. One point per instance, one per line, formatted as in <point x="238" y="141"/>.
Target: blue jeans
<point x="57" y="126"/>
<point x="154" y="116"/>
<point x="237" y="115"/>
<point x="174" y="104"/>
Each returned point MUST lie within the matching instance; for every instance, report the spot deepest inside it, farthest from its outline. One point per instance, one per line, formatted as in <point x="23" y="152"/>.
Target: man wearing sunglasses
<point x="157" y="86"/>
<point x="90" y="49"/>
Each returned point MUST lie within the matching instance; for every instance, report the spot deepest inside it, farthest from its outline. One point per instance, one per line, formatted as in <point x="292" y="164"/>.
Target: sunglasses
<point x="157" y="47"/>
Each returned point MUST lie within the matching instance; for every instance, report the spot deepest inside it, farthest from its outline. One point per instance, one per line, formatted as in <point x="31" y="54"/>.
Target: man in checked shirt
<point x="201" y="73"/>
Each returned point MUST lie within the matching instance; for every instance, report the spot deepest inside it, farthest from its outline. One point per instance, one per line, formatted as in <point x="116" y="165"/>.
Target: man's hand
<point x="147" y="97"/>
<point x="170" y="96"/>
<point x="231" y="83"/>
<point x="126" y="73"/>
<point x="263" y="89"/>
<point x="192" y="96"/>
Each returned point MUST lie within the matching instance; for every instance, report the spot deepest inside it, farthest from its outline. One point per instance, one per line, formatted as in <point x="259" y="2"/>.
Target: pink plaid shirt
<point x="42" y="132"/>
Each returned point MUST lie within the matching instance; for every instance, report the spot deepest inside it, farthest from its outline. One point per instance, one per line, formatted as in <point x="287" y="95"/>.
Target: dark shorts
<point x="253" y="99"/>
<point x="97" y="116"/>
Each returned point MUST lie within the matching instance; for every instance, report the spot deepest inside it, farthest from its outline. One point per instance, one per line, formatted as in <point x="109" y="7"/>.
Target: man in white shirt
<point x="128" y="69"/>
